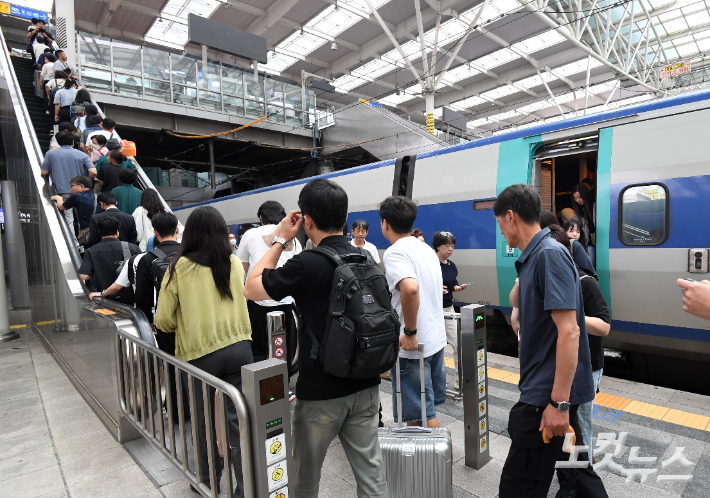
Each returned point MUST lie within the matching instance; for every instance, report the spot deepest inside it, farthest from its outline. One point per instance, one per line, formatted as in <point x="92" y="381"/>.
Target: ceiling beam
<point x="273" y="14"/>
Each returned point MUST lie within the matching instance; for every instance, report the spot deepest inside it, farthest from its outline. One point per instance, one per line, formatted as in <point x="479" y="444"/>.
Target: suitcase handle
<point x="400" y="425"/>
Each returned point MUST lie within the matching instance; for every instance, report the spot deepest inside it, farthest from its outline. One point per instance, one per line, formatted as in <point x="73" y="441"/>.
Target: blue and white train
<point x="652" y="166"/>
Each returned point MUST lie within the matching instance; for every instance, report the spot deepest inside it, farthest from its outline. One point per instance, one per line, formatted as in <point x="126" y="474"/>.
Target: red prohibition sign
<point x="279" y="352"/>
<point x="278" y="340"/>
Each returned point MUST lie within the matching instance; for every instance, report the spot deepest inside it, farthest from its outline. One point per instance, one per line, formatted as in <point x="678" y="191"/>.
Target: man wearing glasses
<point x="360" y="228"/>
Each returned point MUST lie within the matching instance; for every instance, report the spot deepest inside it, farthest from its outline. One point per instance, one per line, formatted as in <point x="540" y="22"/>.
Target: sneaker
<point x="291" y="396"/>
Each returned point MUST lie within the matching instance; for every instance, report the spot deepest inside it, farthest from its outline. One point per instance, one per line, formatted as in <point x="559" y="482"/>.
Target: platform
<point x="53" y="445"/>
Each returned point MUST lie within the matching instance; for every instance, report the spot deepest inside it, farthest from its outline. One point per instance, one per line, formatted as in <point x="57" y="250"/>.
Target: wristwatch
<point x="279" y="240"/>
<point x="409" y="333"/>
<point x="562" y="406"/>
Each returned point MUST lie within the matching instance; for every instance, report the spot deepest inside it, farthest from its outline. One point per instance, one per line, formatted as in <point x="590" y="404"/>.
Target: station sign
<point x="675" y="69"/>
<point x="23" y="12"/>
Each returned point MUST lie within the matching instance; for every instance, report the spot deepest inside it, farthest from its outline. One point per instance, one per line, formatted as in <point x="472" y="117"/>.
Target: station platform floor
<point x="53" y="445"/>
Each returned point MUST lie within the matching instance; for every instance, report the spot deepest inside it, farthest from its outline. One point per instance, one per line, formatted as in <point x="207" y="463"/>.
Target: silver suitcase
<point x="418" y="460"/>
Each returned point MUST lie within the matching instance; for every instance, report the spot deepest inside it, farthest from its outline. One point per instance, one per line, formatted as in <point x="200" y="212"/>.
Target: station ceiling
<point x="504" y="64"/>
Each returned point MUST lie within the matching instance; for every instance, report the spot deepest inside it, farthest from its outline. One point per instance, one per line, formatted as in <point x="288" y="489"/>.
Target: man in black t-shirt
<point x="108" y="175"/>
<point x="326" y="406"/>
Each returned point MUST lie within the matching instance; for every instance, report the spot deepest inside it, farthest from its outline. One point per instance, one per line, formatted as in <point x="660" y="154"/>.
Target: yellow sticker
<point x="4" y="8"/>
<point x="104" y="311"/>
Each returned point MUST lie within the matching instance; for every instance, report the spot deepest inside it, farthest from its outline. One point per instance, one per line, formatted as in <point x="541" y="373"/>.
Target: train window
<point x="643" y="214"/>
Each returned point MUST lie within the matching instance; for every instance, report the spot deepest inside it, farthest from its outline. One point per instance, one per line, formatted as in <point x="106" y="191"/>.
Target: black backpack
<point x="361" y="337"/>
<point x="159" y="267"/>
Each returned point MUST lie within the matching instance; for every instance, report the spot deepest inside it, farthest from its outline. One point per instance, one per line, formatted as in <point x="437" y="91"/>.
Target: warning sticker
<point x="481" y="390"/>
<point x="279" y="352"/>
<point x="276" y="475"/>
<point x="483" y="444"/>
<point x="481" y="357"/>
<point x="483" y="426"/>
<point x="275" y="449"/>
<point x="279" y="493"/>
<point x="482" y="408"/>
<point x="481" y="374"/>
<point x="278" y="340"/>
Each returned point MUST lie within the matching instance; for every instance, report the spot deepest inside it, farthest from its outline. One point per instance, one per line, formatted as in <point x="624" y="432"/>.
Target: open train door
<point x="653" y="188"/>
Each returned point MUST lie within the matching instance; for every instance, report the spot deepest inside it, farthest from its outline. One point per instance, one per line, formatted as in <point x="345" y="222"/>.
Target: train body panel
<point x="655" y="151"/>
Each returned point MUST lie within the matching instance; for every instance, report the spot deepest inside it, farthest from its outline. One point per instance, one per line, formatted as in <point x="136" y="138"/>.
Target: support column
<point x="204" y="68"/>
<point x="15" y="244"/>
<point x="213" y="183"/>
<point x="66" y="29"/>
<point x="5" y="333"/>
<point x="429" y="100"/>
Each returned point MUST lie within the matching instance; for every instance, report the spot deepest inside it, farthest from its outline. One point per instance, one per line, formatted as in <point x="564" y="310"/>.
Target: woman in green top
<point x="201" y="301"/>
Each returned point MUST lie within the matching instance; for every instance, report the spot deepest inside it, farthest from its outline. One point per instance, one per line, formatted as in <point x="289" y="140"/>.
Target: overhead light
<point x="334" y="46"/>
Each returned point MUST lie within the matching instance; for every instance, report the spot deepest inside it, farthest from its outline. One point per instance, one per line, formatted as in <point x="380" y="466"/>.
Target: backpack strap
<point x="126" y="251"/>
<point x="158" y="253"/>
<point x="132" y="269"/>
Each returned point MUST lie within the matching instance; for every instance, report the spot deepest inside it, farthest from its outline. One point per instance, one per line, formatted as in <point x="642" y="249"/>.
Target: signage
<point x="24" y="12"/>
<point x="275" y="449"/>
<point x="276" y="475"/>
<point x="4" y="8"/>
<point x="509" y="252"/>
<point x="675" y="69"/>
<point x="325" y="119"/>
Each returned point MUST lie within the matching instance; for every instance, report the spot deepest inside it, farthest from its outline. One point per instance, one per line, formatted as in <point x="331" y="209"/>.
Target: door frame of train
<point x="604" y="211"/>
<point x="515" y="162"/>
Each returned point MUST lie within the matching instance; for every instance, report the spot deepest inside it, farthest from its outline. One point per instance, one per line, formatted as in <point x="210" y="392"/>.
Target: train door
<point x="559" y="167"/>
<point x="655" y="177"/>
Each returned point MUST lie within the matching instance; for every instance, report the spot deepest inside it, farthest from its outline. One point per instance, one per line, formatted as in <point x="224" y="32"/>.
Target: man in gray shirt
<point x="63" y="164"/>
<point x="61" y="63"/>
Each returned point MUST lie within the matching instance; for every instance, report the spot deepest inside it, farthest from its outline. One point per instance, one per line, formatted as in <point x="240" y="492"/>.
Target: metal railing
<point x="456" y="394"/>
<point x="118" y="67"/>
<point x="140" y="370"/>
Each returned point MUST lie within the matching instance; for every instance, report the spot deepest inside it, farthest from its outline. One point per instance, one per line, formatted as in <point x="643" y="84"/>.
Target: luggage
<point x="418" y="460"/>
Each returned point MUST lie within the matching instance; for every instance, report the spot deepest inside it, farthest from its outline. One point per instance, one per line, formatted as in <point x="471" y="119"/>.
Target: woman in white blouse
<point x="150" y="205"/>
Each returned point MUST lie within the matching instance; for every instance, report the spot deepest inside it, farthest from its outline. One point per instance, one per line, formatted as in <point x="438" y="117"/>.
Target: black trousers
<point x="225" y="364"/>
<point x="530" y="466"/>
<point x="166" y="342"/>
<point x="260" y="337"/>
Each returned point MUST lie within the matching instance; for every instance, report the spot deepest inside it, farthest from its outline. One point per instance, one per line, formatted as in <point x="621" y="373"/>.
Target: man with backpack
<point x="331" y="402"/>
<point x="149" y="276"/>
<point x="105" y="260"/>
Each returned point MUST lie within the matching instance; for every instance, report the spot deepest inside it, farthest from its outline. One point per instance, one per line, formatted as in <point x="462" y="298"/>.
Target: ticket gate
<point x="265" y="390"/>
<point x="475" y="385"/>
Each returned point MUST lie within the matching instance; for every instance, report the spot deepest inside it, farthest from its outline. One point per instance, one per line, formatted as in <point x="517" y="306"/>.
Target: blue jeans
<point x="434" y="383"/>
<point x="584" y="414"/>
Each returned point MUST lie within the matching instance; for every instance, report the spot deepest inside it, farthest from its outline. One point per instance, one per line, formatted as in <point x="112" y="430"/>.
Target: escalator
<point x="81" y="334"/>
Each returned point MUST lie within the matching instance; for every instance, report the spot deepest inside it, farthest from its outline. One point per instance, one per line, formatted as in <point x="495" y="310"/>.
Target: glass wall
<point x="118" y="67"/>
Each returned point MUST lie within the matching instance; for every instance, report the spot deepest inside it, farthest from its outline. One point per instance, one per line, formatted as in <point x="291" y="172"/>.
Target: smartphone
<point x="689" y="280"/>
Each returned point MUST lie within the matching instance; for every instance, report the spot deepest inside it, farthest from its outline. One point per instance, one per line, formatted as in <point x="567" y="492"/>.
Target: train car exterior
<point x="652" y="207"/>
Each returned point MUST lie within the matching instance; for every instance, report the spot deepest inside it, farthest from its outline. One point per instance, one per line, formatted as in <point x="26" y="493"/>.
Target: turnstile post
<point x="265" y="391"/>
<point x="475" y="385"/>
<point x="456" y="394"/>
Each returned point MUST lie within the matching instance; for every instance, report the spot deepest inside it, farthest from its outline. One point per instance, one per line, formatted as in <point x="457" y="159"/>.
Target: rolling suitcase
<point x="418" y="460"/>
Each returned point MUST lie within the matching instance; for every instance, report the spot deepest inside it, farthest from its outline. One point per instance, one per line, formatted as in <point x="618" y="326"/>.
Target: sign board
<point x="24" y="12"/>
<point x="229" y="39"/>
<point x="675" y="69"/>
<point x="4" y="8"/>
<point x="325" y="119"/>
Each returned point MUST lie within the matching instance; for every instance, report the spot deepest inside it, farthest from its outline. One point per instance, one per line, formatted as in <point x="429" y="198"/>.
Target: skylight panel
<point x="534" y="80"/>
<point x="704" y="44"/>
<point x="501" y="91"/>
<point x="576" y="67"/>
<point x="539" y="42"/>
<point x="464" y="104"/>
<point x="535" y="106"/>
<point x="676" y="25"/>
<point x="659" y="3"/>
<point x="687" y="49"/>
<point x="346" y="83"/>
<point x="497" y="58"/>
<point x="167" y="32"/>
<point x="394" y="99"/>
<point x="477" y="123"/>
<point x="698" y="18"/>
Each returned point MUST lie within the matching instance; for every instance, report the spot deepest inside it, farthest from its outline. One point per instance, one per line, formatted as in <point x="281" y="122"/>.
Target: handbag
<point x="83" y="237"/>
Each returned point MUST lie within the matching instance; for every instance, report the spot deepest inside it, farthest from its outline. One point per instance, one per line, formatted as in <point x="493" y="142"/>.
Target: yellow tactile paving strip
<point x="669" y="415"/>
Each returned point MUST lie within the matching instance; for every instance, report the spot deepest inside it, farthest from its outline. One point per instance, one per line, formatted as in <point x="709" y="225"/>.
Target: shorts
<point x="434" y="382"/>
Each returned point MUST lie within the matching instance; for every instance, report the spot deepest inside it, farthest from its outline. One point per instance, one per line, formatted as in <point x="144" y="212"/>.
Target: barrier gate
<point x="475" y="385"/>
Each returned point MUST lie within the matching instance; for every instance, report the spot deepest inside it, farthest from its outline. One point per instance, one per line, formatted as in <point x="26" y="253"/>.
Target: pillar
<point x="15" y="244"/>
<point x="66" y="29"/>
<point x="429" y="101"/>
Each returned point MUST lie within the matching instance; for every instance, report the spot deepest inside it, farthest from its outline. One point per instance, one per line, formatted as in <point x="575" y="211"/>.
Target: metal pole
<point x="213" y="183"/>
<point x="5" y="333"/>
<point x="15" y="244"/>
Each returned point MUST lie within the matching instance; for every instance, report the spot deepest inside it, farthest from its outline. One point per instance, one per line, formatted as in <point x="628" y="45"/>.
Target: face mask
<point x="233" y="242"/>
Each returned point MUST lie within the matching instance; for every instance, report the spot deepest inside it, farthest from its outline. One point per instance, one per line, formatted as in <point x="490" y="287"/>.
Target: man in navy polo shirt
<point x="555" y="366"/>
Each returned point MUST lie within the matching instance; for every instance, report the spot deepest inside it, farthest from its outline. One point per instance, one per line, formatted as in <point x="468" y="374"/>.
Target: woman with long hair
<point x="150" y="205"/>
<point x="583" y="204"/>
<point x="201" y="301"/>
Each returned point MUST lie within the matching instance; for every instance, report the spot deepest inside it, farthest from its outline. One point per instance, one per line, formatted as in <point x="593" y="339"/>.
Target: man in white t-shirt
<point x="414" y="278"/>
<point x="252" y="247"/>
<point x="360" y="229"/>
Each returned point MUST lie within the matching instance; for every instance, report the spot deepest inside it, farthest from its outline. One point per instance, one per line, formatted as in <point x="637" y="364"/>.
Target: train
<point x="651" y="165"/>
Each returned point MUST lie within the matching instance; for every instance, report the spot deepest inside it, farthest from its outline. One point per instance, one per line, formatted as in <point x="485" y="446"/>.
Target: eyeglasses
<point x="446" y="234"/>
